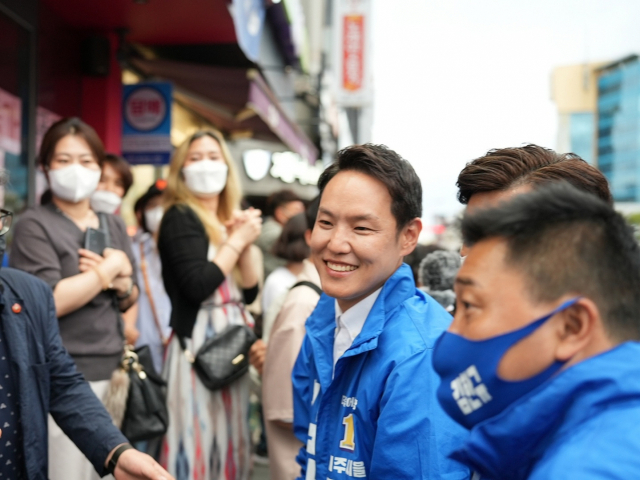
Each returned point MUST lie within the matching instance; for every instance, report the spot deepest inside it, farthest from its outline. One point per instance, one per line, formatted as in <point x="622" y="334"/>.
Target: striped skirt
<point x="208" y="436"/>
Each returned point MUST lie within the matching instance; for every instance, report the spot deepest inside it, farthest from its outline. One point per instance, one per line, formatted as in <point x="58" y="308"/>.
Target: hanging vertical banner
<point x="248" y="19"/>
<point x="352" y="52"/>
<point x="146" y="125"/>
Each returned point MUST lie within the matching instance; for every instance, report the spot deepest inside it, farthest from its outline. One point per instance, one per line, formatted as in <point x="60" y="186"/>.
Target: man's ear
<point x="579" y="327"/>
<point x="307" y="236"/>
<point x="409" y="236"/>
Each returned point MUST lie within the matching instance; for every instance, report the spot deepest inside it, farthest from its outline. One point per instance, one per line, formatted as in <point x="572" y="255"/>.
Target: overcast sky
<point x="455" y="78"/>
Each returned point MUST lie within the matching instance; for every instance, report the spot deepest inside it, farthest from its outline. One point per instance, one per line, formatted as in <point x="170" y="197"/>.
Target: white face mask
<point x="105" y="201"/>
<point x="153" y="217"/>
<point x="206" y="177"/>
<point x="74" y="183"/>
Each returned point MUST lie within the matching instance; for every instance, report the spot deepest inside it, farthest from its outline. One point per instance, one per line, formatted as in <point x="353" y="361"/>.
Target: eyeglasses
<point x="6" y="218"/>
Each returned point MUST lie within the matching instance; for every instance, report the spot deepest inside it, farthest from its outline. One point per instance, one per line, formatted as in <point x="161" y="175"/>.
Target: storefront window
<point x="14" y="56"/>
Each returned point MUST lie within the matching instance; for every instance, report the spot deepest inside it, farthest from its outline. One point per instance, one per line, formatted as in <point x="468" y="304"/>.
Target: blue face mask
<point x="470" y="390"/>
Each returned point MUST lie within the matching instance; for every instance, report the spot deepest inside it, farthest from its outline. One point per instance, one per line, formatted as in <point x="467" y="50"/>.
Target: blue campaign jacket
<point x="379" y="417"/>
<point x="583" y="424"/>
<point x="48" y="381"/>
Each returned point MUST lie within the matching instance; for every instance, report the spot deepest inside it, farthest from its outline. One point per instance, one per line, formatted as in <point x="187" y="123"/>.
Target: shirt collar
<point x="354" y="318"/>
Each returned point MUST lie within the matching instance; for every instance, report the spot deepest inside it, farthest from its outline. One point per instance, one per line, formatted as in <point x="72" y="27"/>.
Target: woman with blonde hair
<point x="204" y="245"/>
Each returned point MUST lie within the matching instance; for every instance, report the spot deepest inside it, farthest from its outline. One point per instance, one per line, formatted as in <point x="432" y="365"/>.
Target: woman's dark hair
<point x="568" y="242"/>
<point x="504" y="168"/>
<point x="122" y="168"/>
<point x="279" y="198"/>
<point x="69" y="126"/>
<point x="155" y="190"/>
<point x="291" y="245"/>
<point x="386" y="166"/>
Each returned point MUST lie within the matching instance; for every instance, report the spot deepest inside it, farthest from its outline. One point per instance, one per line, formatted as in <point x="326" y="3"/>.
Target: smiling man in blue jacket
<point x="541" y="360"/>
<point x="364" y="385"/>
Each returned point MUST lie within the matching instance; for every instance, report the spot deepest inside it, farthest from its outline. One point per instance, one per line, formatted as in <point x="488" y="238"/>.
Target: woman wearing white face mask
<point x="115" y="181"/>
<point x="154" y="306"/>
<point x="89" y="289"/>
<point x="203" y="238"/>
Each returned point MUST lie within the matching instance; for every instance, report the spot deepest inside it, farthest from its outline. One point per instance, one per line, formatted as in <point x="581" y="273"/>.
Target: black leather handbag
<point x="223" y="358"/>
<point x="146" y="415"/>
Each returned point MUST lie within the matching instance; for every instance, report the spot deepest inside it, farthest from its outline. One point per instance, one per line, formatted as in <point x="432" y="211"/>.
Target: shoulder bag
<point x="223" y="358"/>
<point x="136" y="398"/>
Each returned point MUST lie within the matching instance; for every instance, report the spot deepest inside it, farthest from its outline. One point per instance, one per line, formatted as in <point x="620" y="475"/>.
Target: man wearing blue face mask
<point x="540" y="362"/>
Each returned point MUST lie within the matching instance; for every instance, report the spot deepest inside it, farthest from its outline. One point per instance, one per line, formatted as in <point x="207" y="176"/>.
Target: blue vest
<point x="378" y="417"/>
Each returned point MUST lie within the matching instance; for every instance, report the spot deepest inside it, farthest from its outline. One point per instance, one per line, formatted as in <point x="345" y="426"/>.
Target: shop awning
<point x="234" y="100"/>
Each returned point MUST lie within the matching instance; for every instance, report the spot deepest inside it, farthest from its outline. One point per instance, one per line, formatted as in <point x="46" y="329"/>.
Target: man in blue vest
<point x="364" y="373"/>
<point x="541" y="360"/>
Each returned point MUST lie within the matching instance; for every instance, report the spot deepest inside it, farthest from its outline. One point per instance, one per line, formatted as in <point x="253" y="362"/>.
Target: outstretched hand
<point x="135" y="465"/>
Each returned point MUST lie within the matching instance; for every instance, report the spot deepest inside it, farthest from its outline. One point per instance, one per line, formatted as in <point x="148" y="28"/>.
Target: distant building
<point x="599" y="119"/>
<point x="618" y="129"/>
<point x="574" y="90"/>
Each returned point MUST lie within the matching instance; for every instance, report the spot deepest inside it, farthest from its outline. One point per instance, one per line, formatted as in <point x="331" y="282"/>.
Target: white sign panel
<point x="352" y="52"/>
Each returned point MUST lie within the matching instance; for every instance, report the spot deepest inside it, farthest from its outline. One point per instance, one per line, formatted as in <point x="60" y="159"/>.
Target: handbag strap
<point x="147" y="289"/>
<point x="183" y="344"/>
<point x="305" y="283"/>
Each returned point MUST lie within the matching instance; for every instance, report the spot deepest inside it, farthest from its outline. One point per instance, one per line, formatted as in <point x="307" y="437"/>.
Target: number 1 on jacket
<point x="349" y="440"/>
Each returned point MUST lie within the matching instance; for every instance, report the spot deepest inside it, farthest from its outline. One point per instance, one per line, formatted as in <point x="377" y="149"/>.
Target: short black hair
<point x="122" y="168"/>
<point x="311" y="212"/>
<point x="291" y="245"/>
<point x="385" y="165"/>
<point x="566" y="241"/>
<point x="279" y="198"/>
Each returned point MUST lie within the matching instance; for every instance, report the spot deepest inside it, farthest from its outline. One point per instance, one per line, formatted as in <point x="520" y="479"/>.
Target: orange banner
<point x="353" y="53"/>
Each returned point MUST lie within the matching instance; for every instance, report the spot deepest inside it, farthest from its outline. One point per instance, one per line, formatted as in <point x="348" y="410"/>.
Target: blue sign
<point x="248" y="19"/>
<point x="146" y="123"/>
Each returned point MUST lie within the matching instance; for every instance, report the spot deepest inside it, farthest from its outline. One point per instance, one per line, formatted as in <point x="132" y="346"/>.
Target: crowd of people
<point x="377" y="357"/>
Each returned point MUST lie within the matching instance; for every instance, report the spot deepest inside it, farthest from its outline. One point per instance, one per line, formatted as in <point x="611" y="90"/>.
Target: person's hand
<point x="135" y="465"/>
<point x="257" y="355"/>
<point x="88" y="260"/>
<point x="238" y="217"/>
<point x="122" y="284"/>
<point x="247" y="230"/>
<point x="131" y="334"/>
<point x="120" y="259"/>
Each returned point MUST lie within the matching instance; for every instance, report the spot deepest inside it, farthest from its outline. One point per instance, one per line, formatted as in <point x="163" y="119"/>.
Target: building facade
<point x="618" y="127"/>
<point x="599" y="119"/>
<point x="257" y="70"/>
<point x="574" y="89"/>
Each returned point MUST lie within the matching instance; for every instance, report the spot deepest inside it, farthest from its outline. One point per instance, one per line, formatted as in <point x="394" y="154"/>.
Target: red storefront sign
<point x="353" y="53"/>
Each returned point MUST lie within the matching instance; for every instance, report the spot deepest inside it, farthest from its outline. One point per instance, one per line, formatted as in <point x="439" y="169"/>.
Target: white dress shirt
<point x="349" y="324"/>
